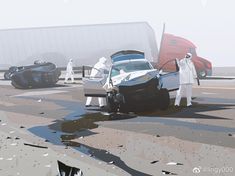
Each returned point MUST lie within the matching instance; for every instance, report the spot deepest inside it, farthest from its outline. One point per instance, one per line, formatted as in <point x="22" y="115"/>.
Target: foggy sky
<point x="209" y="24"/>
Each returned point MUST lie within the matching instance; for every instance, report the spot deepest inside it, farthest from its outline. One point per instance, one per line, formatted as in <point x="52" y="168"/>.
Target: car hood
<point x="134" y="78"/>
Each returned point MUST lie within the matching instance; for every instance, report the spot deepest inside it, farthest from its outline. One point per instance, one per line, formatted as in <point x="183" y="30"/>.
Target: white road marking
<point x="208" y="93"/>
<point x="218" y="88"/>
<point x="47" y="92"/>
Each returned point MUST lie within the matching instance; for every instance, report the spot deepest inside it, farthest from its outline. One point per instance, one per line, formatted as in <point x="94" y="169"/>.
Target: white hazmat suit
<point x="187" y="74"/>
<point x="98" y="71"/>
<point x="69" y="71"/>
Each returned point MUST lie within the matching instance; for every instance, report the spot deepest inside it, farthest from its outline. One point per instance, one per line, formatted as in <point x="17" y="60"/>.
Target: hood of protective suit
<point x="99" y="68"/>
<point x="103" y="60"/>
<point x="188" y="54"/>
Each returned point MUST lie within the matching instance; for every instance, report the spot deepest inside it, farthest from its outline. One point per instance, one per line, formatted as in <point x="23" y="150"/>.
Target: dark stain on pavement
<point x="105" y="156"/>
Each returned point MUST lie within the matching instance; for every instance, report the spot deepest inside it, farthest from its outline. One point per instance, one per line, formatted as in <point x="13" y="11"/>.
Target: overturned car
<point x="41" y="74"/>
<point x="133" y="84"/>
<point x="8" y="73"/>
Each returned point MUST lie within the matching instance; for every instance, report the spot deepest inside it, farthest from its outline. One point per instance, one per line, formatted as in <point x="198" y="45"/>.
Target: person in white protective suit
<point x="98" y="71"/>
<point x="187" y="74"/>
<point x="69" y="72"/>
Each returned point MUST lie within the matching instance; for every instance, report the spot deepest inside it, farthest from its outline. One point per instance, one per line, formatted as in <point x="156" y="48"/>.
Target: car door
<point x="93" y="86"/>
<point x="169" y="78"/>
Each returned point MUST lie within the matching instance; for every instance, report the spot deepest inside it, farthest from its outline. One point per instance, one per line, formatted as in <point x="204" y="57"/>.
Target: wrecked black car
<point x="41" y="74"/>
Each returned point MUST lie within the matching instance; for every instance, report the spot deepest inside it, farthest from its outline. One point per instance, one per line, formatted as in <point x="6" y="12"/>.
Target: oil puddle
<point x="87" y="121"/>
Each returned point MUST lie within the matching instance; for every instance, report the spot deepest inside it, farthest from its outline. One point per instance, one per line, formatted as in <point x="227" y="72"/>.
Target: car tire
<point x="163" y="99"/>
<point x="111" y="106"/>
<point x="7" y="75"/>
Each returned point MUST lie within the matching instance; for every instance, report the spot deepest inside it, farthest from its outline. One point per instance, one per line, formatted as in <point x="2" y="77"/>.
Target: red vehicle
<point x="176" y="47"/>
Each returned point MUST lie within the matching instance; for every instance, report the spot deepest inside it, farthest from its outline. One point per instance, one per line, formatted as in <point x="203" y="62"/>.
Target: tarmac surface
<point x="182" y="141"/>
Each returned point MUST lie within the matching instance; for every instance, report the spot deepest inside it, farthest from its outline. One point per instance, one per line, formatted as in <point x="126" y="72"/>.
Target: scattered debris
<point x="153" y="162"/>
<point x="1" y="158"/>
<point x="168" y="173"/>
<point x="105" y="113"/>
<point x="81" y="137"/>
<point x="17" y="138"/>
<point x="65" y="170"/>
<point x="14" y="144"/>
<point x="53" y="131"/>
<point x="173" y="163"/>
<point x="22" y="127"/>
<point x="8" y="137"/>
<point x="3" y="124"/>
<point x="9" y="159"/>
<point x="40" y="100"/>
<point x="158" y="135"/>
<point x="47" y="140"/>
<point x="120" y="146"/>
<point x="111" y="162"/>
<point x="38" y="146"/>
<point x="11" y="132"/>
<point x="48" y="165"/>
<point x="45" y="154"/>
<point x="91" y="155"/>
<point x="41" y="113"/>
<point x="230" y="134"/>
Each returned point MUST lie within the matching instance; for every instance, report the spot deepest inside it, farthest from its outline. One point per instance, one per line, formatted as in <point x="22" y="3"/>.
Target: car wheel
<point x="7" y="75"/>
<point x="111" y="106"/>
<point x="202" y="74"/>
<point x="163" y="99"/>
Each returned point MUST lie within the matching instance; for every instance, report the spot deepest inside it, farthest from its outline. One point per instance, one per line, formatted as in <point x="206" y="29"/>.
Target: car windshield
<point x="129" y="67"/>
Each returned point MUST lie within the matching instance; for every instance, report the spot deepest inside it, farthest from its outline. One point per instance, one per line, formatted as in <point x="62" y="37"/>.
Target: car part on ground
<point x="35" y="76"/>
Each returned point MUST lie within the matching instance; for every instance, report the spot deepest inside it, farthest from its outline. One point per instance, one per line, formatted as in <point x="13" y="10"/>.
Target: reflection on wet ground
<point x="63" y="132"/>
<point x="104" y="156"/>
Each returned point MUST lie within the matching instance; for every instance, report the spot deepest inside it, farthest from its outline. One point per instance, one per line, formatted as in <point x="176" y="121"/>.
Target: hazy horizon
<point x="208" y="24"/>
